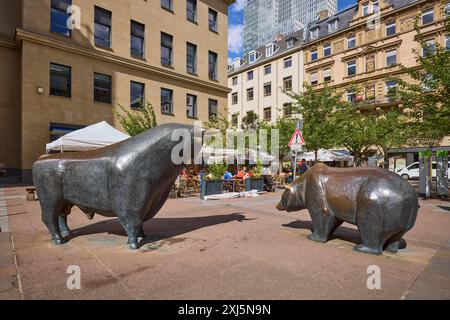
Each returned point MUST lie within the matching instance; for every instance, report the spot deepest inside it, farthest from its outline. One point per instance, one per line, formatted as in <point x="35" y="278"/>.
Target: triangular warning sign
<point x="297" y="138"/>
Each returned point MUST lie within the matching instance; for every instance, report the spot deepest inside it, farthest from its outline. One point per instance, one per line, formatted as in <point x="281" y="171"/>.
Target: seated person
<point x="241" y="173"/>
<point x="227" y="175"/>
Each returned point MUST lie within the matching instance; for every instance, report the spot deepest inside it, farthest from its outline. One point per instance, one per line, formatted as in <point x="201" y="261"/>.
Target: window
<point x="390" y="29"/>
<point x="212" y="20"/>
<point x="59" y="17"/>
<point x="287" y="83"/>
<point x="314" y="55"/>
<point x="252" y="56"/>
<point x="314" y="78"/>
<point x="191" y="106"/>
<point x="326" y="75"/>
<point x="268" y="114"/>
<point x="167" y="4"/>
<point x="430" y="48"/>
<point x="137" y="39"/>
<point x="288" y="62"/>
<point x="365" y="9"/>
<point x="287" y="109"/>
<point x="391" y="58"/>
<point x="351" y="68"/>
<point x="212" y="69"/>
<point x="375" y="7"/>
<point x="290" y="43"/>
<point x="234" y="98"/>
<point x="102" y="28"/>
<point x="191" y="10"/>
<point x="370" y="63"/>
<point x="60" y="80"/>
<point x="166" y="49"/>
<point x="250" y="75"/>
<point x="327" y="50"/>
<point x="191" y="58"/>
<point x="166" y="101"/>
<point x="234" y="120"/>
<point x="267" y="89"/>
<point x="427" y="16"/>
<point x="333" y="25"/>
<point x="213" y="111"/>
<point x="314" y="33"/>
<point x="268" y="69"/>
<point x="447" y="10"/>
<point x="137" y="94"/>
<point x="389" y="89"/>
<point x="447" y="42"/>
<point x="102" y="88"/>
<point x="234" y="81"/>
<point x="250" y="94"/>
<point x="351" y="42"/>
<point x="351" y="95"/>
<point x="269" y="50"/>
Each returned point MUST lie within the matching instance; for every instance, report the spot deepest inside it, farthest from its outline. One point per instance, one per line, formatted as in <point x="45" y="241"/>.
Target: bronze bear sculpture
<point x="380" y="203"/>
<point x="131" y="180"/>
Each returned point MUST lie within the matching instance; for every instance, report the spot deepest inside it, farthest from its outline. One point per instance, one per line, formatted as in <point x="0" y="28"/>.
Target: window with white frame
<point x="326" y="74"/>
<point x="390" y="29"/>
<point x="268" y="69"/>
<point x="333" y="25"/>
<point x="290" y="43"/>
<point x="351" y="68"/>
<point x="314" y="33"/>
<point x="351" y="95"/>
<point x="428" y="16"/>
<point x="389" y="89"/>
<point x="249" y="94"/>
<point x="267" y="89"/>
<point x="252" y="56"/>
<point x="234" y="98"/>
<point x="270" y="49"/>
<point x="235" y="80"/>
<point x="327" y="50"/>
<point x="287" y="62"/>
<point x="391" y="58"/>
<point x="447" y="10"/>
<point x="365" y="9"/>
<point x="314" y="55"/>
<point x="191" y="106"/>
<point x="250" y="75"/>
<point x="429" y="49"/>
<point x="314" y="78"/>
<point x="268" y="114"/>
<point x="375" y="6"/>
<point x="351" y="42"/>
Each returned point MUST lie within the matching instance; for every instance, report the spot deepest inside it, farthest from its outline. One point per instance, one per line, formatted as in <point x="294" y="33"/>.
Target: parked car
<point x="412" y="171"/>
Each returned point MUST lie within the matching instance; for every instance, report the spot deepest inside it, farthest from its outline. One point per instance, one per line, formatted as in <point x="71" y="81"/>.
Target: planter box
<point x="210" y="187"/>
<point x="254" y="184"/>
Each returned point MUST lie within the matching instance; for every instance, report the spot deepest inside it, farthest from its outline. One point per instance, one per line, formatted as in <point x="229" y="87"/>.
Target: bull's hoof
<point x="365" y="249"/>
<point x="315" y="237"/>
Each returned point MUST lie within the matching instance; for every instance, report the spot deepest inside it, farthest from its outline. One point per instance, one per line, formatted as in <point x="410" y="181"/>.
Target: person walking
<point x="303" y="166"/>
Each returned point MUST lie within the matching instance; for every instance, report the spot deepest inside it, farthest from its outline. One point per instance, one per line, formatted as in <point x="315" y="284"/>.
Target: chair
<point x="3" y="169"/>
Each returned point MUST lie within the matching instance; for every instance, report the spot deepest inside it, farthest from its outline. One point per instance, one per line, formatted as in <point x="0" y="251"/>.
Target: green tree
<point x="317" y="110"/>
<point x="136" y="121"/>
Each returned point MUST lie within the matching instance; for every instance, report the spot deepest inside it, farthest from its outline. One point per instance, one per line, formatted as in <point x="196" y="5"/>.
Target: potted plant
<point x="212" y="183"/>
<point x="256" y="182"/>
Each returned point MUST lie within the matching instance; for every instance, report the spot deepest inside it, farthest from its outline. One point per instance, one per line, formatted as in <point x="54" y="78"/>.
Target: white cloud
<point x="239" y="5"/>
<point x="235" y="38"/>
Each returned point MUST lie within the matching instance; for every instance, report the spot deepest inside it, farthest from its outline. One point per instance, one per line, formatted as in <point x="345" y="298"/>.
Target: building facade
<point x="57" y="77"/>
<point x="264" y="20"/>
<point x="259" y="80"/>
<point x="357" y="51"/>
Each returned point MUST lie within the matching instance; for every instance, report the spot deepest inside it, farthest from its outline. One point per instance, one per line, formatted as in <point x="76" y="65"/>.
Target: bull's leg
<point x="50" y="218"/>
<point x="132" y="228"/>
<point x="393" y="243"/>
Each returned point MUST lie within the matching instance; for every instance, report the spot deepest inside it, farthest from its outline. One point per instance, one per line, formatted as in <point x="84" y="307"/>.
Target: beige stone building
<point x="56" y="77"/>
<point x="258" y="81"/>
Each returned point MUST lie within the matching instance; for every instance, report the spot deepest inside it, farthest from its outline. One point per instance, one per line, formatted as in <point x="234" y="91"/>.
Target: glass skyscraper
<point x="265" y="19"/>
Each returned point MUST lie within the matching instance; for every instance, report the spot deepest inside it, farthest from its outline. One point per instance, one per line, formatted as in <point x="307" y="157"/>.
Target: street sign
<point x="297" y="139"/>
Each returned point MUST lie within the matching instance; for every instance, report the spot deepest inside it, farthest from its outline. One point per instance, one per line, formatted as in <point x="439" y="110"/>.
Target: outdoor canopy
<point x="327" y="155"/>
<point x="92" y="137"/>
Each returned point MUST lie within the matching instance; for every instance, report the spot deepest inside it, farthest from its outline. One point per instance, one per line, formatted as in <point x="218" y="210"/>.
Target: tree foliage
<point x="137" y="121"/>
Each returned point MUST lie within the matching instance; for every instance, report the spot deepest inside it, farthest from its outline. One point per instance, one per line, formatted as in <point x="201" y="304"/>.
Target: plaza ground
<point x="227" y="249"/>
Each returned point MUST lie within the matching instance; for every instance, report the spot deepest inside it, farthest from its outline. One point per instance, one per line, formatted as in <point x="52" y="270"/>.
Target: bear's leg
<point x="131" y="228"/>
<point x="393" y="243"/>
<point x="63" y="227"/>
<point x="371" y="238"/>
<point x="141" y="233"/>
<point x="324" y="225"/>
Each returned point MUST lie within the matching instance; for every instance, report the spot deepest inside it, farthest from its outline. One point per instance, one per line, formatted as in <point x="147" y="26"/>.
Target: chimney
<point x="323" y="15"/>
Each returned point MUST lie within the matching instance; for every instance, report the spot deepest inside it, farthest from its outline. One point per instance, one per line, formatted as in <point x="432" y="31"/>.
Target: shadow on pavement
<point x="158" y="228"/>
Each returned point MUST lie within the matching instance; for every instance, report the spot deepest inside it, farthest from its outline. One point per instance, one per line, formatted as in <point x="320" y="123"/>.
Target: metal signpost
<point x="296" y="144"/>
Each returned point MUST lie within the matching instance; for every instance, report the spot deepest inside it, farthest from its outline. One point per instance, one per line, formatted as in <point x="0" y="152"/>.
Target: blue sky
<point x="236" y="20"/>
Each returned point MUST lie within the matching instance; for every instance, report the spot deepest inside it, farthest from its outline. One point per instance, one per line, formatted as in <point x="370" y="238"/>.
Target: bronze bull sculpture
<point x="380" y="203"/>
<point x="131" y="180"/>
